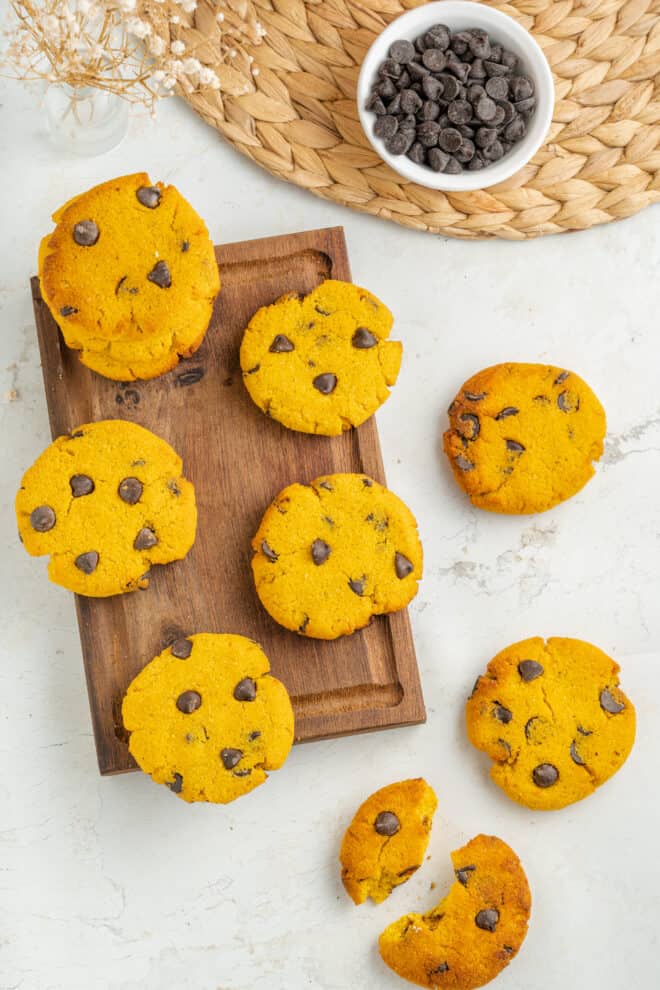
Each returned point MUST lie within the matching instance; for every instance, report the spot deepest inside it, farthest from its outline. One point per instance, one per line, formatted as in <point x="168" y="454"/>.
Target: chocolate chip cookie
<point x="106" y="502"/>
<point x="321" y="363"/>
<point x="474" y="932"/>
<point x="552" y="717"/>
<point x="386" y="841"/>
<point x="329" y="556"/>
<point x="129" y="275"/>
<point x="208" y="719"/>
<point x="523" y="437"/>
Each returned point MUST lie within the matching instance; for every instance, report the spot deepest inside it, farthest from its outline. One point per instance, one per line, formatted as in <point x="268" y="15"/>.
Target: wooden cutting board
<point x="238" y="459"/>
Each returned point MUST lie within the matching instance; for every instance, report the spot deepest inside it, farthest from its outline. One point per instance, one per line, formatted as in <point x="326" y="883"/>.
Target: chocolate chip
<point x="474" y="426"/>
<point x="497" y="87"/>
<point x="486" y="109"/>
<point x="466" y="151"/>
<point x="149" y="196"/>
<point x="245" y="690"/>
<point x="188" y="702"/>
<point x="402" y="52"/>
<point x="485" y="136"/>
<point x="515" y="130"/>
<point x="387" y="823"/>
<point x="575" y="756"/>
<point x="386" y="89"/>
<point x="475" y="396"/>
<point x="42" y="518"/>
<point x="516" y="447"/>
<point x="506" y="412"/>
<point x="400" y="143"/>
<point x="432" y="87"/>
<point x="434" y="59"/>
<point x="418" y="72"/>
<point x="130" y="490"/>
<point x="464" y="873"/>
<point x="450" y="139"/>
<point x="477" y="162"/>
<point x="145" y="539"/>
<point x="584" y="732"/>
<point x="181" y="648"/>
<point x="268" y="552"/>
<point x="480" y="44"/>
<point x="561" y="377"/>
<point x="402" y="566"/>
<point x="185" y="246"/>
<point x="609" y="703"/>
<point x="410" y="101"/>
<point x="451" y="88"/>
<point x="487" y="919"/>
<point x="281" y="345"/>
<point x="190" y="377"/>
<point x="529" y="670"/>
<point x="440" y="36"/>
<point x="427" y="133"/>
<point x="437" y="159"/>
<point x="254" y="735"/>
<point x="160" y="275"/>
<point x="459" y="111"/>
<point x="545" y="775"/>
<point x="567" y="402"/>
<point x="390" y="68"/>
<point x="68" y="310"/>
<point x="230" y="757"/>
<point x="477" y="70"/>
<point x="81" y="484"/>
<point x="494" y="151"/>
<point x="363" y="339"/>
<point x="357" y="586"/>
<point x="442" y="968"/>
<point x="87" y="562"/>
<point x="326" y="383"/>
<point x="320" y="552"/>
<point x="176" y="784"/>
<point x="327" y="486"/>
<point x="502" y="714"/>
<point x="522" y="88"/>
<point x="529" y="726"/>
<point x="463" y="464"/>
<point x="86" y="233"/>
<point x="386" y="127"/>
<point x="525" y="106"/>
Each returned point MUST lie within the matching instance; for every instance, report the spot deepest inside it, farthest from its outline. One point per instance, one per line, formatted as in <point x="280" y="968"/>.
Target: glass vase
<point x="85" y="120"/>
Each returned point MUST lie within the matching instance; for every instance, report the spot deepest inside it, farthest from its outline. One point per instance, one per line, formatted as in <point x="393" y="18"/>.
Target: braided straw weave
<point x="297" y="115"/>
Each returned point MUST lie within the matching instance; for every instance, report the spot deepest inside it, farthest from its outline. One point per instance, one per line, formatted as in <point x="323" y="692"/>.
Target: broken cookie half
<point x="474" y="932"/>
<point x="387" y="839"/>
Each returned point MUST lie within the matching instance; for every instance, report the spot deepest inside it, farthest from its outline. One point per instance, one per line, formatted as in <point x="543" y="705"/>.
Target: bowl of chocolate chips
<point x="455" y="95"/>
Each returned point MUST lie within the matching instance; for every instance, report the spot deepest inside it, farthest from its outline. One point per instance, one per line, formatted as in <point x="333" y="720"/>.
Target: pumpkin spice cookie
<point x="474" y="932"/>
<point x="321" y="363"/>
<point x="386" y="841"/>
<point x="329" y="556"/>
<point x="129" y="275"/>
<point x="106" y="502"/>
<point x="523" y="437"/>
<point x="554" y="720"/>
<point x="208" y="719"/>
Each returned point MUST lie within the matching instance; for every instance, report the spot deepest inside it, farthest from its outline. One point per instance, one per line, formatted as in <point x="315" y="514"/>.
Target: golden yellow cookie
<point x="106" y="502"/>
<point x="553" y="718"/>
<point x="474" y="932"/>
<point x="130" y="276"/>
<point x="208" y="719"/>
<point x="321" y="363"/>
<point x="523" y="437"/>
<point x="386" y="841"/>
<point x="329" y="556"/>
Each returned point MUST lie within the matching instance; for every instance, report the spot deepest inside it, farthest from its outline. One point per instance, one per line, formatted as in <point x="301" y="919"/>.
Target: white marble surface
<point x="109" y="884"/>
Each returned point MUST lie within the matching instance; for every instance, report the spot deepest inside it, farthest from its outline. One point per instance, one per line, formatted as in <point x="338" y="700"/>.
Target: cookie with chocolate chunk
<point x="523" y="437"/>
<point x="105" y="502"/>
<point x="387" y="839"/>
<point x="330" y="555"/>
<point x="474" y="932"/>
<point x="130" y="277"/>
<point x="321" y="363"/>
<point x="207" y="718"/>
<point x="552" y="717"/>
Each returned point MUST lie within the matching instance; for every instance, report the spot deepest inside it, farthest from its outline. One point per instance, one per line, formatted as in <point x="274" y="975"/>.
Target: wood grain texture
<point x="238" y="460"/>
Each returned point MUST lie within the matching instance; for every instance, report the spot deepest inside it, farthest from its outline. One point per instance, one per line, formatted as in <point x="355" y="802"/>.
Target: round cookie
<point x="474" y="932"/>
<point x="129" y="275"/>
<point x="386" y="841"/>
<point x="321" y="363"/>
<point x="523" y="437"/>
<point x="329" y="556"/>
<point x="208" y="719"/>
<point x="553" y="718"/>
<point x="106" y="502"/>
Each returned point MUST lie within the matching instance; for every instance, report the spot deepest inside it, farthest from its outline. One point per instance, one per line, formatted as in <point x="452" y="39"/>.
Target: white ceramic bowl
<point x="460" y="15"/>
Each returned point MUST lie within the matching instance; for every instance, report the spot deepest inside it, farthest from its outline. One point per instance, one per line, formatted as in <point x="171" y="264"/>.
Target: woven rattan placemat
<point x="298" y="118"/>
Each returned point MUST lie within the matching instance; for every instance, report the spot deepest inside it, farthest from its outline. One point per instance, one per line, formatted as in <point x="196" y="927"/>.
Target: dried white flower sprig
<point x="138" y="49"/>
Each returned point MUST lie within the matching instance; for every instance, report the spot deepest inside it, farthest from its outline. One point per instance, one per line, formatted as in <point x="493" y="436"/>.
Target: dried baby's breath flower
<point x="126" y="46"/>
